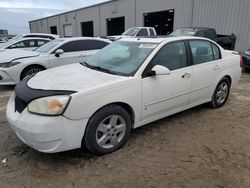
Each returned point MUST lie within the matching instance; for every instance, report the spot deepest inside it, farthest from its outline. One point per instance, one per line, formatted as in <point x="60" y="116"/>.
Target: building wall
<point x="68" y="18"/>
<point x="86" y="15"/>
<point x="116" y="9"/>
<point x="226" y="16"/>
<point x="54" y="21"/>
<point x="34" y="27"/>
<point x="182" y="8"/>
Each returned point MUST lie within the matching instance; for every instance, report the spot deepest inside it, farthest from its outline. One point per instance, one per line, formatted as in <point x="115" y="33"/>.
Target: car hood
<point x="14" y="54"/>
<point x="74" y="77"/>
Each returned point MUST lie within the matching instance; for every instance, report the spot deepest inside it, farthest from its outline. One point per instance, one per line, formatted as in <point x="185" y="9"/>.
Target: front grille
<point x="1" y="77"/>
<point x="20" y="105"/>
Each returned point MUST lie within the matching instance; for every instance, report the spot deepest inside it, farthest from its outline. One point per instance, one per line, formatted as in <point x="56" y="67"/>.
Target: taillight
<point x="241" y="62"/>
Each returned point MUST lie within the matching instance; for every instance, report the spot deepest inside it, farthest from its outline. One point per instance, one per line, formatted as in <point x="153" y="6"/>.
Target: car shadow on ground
<point x="83" y="155"/>
<point x="6" y="88"/>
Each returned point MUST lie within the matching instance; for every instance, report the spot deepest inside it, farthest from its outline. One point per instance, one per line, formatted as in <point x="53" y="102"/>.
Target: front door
<point x="162" y="94"/>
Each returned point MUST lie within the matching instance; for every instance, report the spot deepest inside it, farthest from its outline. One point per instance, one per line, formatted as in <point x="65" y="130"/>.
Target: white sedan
<point x="127" y="84"/>
<point x="17" y="64"/>
<point x="23" y="43"/>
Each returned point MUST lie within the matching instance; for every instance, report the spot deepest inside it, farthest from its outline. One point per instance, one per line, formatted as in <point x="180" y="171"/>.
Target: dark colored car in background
<point x="226" y="41"/>
<point x="246" y="60"/>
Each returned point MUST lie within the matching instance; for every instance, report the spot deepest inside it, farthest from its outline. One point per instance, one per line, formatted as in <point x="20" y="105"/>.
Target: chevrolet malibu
<point x="129" y="83"/>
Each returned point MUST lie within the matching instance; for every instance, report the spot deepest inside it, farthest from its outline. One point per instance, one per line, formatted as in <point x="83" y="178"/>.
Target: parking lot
<point x="201" y="147"/>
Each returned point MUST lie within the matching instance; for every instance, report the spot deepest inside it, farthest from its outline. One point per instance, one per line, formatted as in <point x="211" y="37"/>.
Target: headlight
<point x="9" y="64"/>
<point x="54" y="105"/>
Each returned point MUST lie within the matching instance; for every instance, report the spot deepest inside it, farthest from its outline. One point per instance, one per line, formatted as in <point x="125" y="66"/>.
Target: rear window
<point x="142" y="32"/>
<point x="152" y="33"/>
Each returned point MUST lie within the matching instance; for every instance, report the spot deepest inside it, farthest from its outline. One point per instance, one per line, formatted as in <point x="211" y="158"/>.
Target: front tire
<point x="31" y="70"/>
<point x="108" y="130"/>
<point x="221" y="93"/>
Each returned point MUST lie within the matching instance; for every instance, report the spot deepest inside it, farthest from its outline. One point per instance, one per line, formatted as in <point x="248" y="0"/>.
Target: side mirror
<point x="59" y="52"/>
<point x="159" y="70"/>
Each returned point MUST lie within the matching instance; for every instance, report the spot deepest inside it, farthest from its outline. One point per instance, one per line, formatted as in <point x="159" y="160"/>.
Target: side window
<point x="173" y="56"/>
<point x="200" y="34"/>
<point x="202" y="51"/>
<point x="31" y="43"/>
<point x="24" y="44"/>
<point x="210" y="33"/>
<point x="73" y="46"/>
<point x="152" y="33"/>
<point x="93" y="44"/>
<point x="142" y="32"/>
<point x="18" y="45"/>
<point x="216" y="50"/>
<point x="82" y="45"/>
<point x="41" y="42"/>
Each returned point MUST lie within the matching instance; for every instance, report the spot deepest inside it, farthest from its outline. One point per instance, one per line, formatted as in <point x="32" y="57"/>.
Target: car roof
<point x="32" y="38"/>
<point x="85" y="38"/>
<point x="160" y="40"/>
<point x="42" y="34"/>
<point x="196" y="28"/>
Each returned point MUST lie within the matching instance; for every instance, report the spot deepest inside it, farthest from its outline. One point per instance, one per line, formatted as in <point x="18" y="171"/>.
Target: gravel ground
<point x="201" y="147"/>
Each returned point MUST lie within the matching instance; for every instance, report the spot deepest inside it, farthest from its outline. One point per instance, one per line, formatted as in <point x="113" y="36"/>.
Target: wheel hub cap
<point x="110" y="131"/>
<point x="222" y="92"/>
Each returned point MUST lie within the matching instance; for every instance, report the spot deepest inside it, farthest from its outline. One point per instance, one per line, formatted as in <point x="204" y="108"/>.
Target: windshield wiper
<point x="98" y="68"/>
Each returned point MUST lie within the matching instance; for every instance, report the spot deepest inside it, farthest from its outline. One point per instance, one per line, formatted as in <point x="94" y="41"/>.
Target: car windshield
<point x="15" y="38"/>
<point x="49" y="46"/>
<point x="130" y="32"/>
<point x="185" y="32"/>
<point x="121" y="58"/>
<point x="7" y="44"/>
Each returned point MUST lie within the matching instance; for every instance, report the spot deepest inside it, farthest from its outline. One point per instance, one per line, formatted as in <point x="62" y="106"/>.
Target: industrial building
<point x="113" y="17"/>
<point x="3" y="32"/>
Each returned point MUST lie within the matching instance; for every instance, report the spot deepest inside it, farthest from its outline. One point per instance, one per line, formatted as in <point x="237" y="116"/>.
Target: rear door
<point x="206" y="67"/>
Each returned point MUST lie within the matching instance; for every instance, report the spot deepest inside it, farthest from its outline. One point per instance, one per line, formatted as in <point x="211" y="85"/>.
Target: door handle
<point x="186" y="75"/>
<point x="216" y="67"/>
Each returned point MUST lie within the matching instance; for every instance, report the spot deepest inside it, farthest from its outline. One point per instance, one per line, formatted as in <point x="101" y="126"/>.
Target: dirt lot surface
<point x="201" y="147"/>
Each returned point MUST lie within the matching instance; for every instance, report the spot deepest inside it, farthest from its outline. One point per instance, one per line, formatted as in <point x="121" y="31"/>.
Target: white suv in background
<point x="17" y="64"/>
<point x="23" y="43"/>
<point x="37" y="35"/>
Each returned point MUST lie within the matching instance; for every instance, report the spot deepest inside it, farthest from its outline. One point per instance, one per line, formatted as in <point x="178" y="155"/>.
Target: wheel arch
<point x="31" y="65"/>
<point x="124" y="105"/>
<point x="229" y="78"/>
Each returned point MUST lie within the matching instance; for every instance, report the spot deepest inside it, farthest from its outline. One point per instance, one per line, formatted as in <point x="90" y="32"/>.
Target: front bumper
<point x="43" y="133"/>
<point x="5" y="79"/>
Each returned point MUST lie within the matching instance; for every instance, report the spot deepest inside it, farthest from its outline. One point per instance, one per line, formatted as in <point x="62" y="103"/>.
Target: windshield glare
<point x="49" y="46"/>
<point x="180" y="32"/>
<point x="130" y="32"/>
<point x="122" y="58"/>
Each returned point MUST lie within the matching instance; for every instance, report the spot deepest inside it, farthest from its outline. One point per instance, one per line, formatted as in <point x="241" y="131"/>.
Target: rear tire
<point x="221" y="93"/>
<point x="108" y="130"/>
<point x="31" y="70"/>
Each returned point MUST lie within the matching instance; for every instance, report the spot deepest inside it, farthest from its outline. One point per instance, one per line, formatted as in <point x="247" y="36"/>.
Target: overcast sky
<point x="16" y="14"/>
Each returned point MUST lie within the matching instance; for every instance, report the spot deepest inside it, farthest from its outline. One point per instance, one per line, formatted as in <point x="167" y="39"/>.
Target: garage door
<point x="68" y="31"/>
